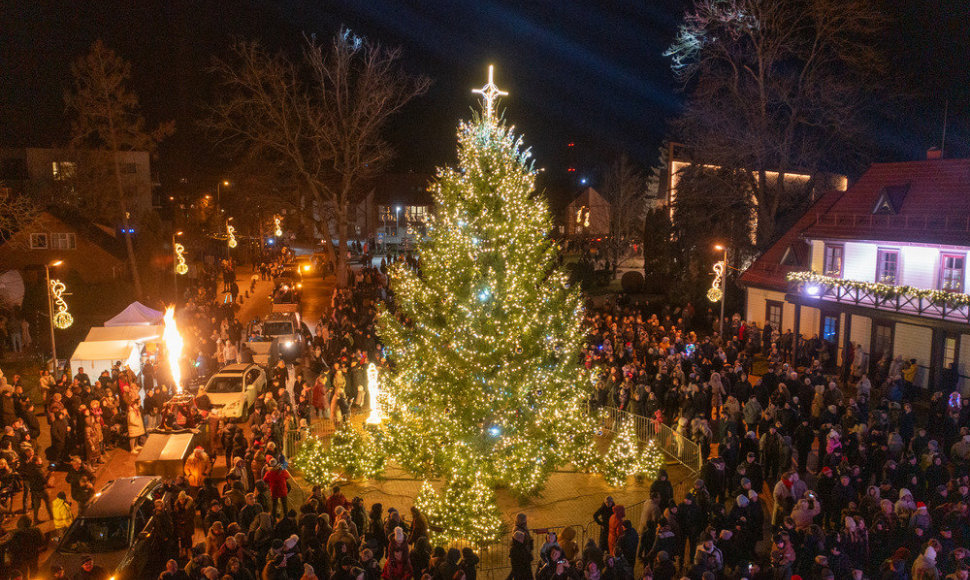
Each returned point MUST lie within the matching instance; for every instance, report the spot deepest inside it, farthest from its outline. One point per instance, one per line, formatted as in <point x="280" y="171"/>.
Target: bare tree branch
<point x="321" y="116"/>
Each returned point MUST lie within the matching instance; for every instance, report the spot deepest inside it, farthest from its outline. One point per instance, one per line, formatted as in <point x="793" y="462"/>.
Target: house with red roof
<point x="880" y="267"/>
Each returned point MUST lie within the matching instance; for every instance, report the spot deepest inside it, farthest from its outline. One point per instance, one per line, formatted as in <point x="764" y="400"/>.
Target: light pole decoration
<point x="716" y="291"/>
<point x="50" y="312"/>
<point x="62" y="318"/>
<point x="278" y="232"/>
<point x="231" y="232"/>
<point x="181" y="268"/>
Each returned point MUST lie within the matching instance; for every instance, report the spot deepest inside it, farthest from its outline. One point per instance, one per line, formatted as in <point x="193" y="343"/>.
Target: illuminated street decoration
<point x="180" y="267"/>
<point x="373" y="392"/>
<point x="62" y="318"/>
<point x="173" y="347"/>
<point x="715" y="293"/>
<point x="491" y="93"/>
<point x="231" y="232"/>
<point x="580" y="220"/>
<point x="279" y="226"/>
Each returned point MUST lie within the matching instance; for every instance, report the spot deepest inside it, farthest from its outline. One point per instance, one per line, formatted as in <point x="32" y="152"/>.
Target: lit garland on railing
<point x="884" y="291"/>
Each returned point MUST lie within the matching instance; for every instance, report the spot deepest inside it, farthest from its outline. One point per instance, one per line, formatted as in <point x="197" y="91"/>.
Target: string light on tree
<point x="485" y="388"/>
<point x="181" y="267"/>
<point x="62" y="318"/>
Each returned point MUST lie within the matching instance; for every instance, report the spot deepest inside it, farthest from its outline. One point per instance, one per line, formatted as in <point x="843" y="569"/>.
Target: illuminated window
<point x="887" y="266"/>
<point x="38" y="241"/>
<point x="416" y="213"/>
<point x="952" y="272"/>
<point x="832" y="265"/>
<point x="63" y="170"/>
<point x="63" y="241"/>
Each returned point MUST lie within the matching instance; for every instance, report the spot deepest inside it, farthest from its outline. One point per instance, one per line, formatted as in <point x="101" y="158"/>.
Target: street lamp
<point x="219" y="186"/>
<point x="176" y="263"/>
<point x="397" y="220"/>
<point x="721" y="247"/>
<point x="50" y="313"/>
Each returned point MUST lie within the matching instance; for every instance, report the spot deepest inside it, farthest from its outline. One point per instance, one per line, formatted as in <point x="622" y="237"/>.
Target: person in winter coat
<point x="924" y="567"/>
<point x="184" y="520"/>
<point x="602" y="518"/>
<point x="628" y="542"/>
<point x="520" y="558"/>
<point x="214" y="538"/>
<point x="136" y="427"/>
<point x="63" y="515"/>
<point x="567" y="540"/>
<point x="662" y="486"/>
<point x="197" y="468"/>
<point x="616" y="527"/>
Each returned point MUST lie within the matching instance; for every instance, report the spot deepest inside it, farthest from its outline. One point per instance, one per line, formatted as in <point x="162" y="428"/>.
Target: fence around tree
<point x="677" y="447"/>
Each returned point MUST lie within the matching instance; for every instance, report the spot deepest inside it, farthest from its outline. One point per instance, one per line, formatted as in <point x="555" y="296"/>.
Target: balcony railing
<point x="936" y="304"/>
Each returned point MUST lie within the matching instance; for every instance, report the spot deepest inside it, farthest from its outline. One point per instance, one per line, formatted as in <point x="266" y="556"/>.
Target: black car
<point x="116" y="530"/>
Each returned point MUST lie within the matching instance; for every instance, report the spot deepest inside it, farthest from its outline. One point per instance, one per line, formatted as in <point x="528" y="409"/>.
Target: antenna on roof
<point x="946" y="110"/>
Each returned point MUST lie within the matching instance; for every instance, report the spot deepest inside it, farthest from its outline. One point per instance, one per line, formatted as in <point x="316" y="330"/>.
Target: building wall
<point x="92" y="262"/>
<point x="911" y="341"/>
<point x="861" y="331"/>
<point x="963" y="364"/>
<point x="43" y="186"/>
<point x="919" y="266"/>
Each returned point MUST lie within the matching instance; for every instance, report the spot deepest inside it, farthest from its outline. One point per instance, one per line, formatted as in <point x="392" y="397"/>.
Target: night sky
<point x="591" y="73"/>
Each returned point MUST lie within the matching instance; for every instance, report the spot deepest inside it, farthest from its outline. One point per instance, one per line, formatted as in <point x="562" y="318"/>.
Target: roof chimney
<point x="934" y="153"/>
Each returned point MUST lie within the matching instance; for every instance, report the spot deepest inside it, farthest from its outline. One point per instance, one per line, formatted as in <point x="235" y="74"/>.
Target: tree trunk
<point x="343" y="279"/>
<point x="126" y="226"/>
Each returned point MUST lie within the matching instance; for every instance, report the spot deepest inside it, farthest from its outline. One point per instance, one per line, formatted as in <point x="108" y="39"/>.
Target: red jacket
<point x="276" y="480"/>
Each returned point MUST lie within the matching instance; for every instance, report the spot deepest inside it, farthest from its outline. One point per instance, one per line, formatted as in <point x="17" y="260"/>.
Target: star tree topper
<point x="491" y="93"/>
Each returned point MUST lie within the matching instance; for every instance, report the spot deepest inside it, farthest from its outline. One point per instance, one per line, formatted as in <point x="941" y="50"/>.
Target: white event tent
<point x="121" y="339"/>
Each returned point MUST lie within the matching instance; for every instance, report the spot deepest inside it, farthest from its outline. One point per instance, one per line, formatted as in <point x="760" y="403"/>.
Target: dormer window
<point x="890" y="200"/>
<point x="794" y="256"/>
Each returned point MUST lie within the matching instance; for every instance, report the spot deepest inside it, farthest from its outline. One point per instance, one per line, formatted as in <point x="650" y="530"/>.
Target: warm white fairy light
<point x="373" y="392"/>
<point x="231" y="233"/>
<point x="491" y="93"/>
<point x="62" y="318"/>
<point x="181" y="267"/>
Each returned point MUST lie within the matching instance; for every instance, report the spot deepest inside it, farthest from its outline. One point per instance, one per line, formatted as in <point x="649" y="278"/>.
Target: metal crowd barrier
<point x="672" y="443"/>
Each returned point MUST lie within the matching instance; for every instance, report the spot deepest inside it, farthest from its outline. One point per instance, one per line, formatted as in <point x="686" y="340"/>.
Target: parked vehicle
<point x="233" y="390"/>
<point x="287" y="329"/>
<point x="116" y="530"/>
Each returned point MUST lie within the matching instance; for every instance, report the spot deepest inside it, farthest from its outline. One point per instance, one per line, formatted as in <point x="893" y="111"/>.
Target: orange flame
<point x="173" y="347"/>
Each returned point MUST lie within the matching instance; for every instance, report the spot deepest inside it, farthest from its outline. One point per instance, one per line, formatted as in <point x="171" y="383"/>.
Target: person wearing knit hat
<point x="742" y="501"/>
<point x="925" y="564"/>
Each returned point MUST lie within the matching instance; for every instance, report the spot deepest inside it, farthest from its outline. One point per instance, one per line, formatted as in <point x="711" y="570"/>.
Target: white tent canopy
<point x="100" y="356"/>
<point x="140" y="334"/>
<point x="137" y="314"/>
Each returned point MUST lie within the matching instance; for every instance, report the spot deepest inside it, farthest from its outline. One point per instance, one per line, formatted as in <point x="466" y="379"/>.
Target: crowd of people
<point x="864" y="479"/>
<point x="806" y="472"/>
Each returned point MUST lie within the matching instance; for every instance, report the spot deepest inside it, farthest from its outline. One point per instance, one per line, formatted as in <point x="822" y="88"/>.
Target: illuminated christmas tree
<point x="485" y="388"/>
<point x="484" y="340"/>
<point x="626" y="456"/>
